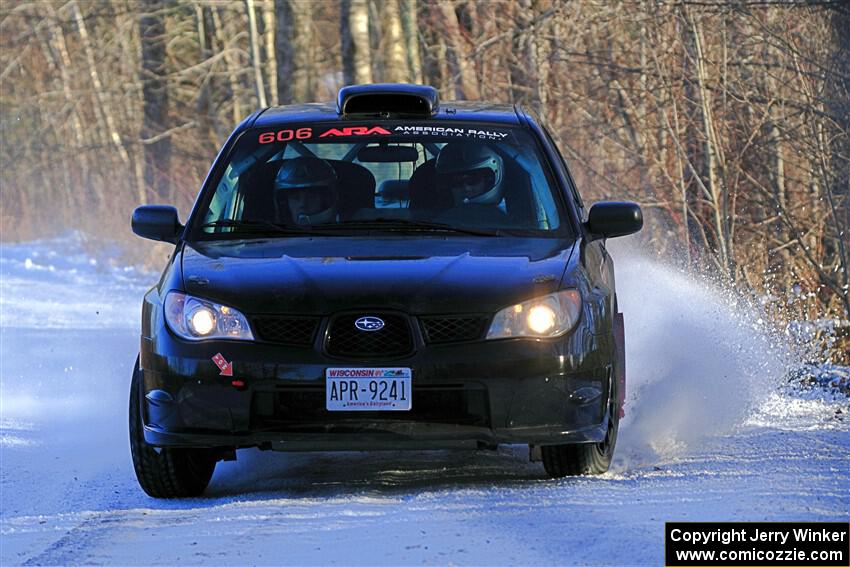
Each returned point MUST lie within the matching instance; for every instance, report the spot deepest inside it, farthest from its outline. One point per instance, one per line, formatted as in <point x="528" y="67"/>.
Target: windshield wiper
<point x="406" y="225"/>
<point x="258" y="226"/>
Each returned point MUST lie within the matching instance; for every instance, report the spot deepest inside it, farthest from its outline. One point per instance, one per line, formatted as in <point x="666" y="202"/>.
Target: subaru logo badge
<point x="369" y="324"/>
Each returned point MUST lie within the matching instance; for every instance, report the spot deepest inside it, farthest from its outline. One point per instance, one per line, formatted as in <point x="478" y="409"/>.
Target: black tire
<point x="582" y="458"/>
<point x="165" y="473"/>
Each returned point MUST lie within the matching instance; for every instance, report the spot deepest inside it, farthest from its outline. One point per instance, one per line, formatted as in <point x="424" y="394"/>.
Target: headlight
<point x="197" y="319"/>
<point x="548" y="316"/>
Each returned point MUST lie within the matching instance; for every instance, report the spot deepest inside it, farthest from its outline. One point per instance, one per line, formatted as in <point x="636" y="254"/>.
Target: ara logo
<point x="369" y="323"/>
<point x="355" y="131"/>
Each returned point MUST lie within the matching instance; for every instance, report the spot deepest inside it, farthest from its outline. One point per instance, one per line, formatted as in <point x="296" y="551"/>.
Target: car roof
<point x="450" y="111"/>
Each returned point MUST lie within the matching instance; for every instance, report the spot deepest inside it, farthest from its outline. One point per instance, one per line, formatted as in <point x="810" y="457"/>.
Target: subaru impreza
<point x="382" y="272"/>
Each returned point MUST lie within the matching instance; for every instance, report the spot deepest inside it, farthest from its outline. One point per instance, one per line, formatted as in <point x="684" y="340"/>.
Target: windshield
<point x="395" y="177"/>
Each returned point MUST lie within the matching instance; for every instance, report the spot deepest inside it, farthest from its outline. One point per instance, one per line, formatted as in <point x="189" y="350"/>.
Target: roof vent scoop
<point x="389" y="100"/>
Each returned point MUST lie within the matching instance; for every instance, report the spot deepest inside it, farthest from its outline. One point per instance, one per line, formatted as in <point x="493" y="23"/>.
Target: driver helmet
<point x="473" y="171"/>
<point x="307" y="188"/>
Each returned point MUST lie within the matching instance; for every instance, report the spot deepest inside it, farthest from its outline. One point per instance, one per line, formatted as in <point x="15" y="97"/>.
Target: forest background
<point x="729" y="122"/>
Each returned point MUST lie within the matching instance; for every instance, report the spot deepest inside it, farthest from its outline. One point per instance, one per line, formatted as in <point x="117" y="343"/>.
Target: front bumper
<point x="539" y="392"/>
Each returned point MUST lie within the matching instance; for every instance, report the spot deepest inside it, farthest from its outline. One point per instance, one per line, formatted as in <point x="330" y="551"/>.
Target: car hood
<point x="413" y="274"/>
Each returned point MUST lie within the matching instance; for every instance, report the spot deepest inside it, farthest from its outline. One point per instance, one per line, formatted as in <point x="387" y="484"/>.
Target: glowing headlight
<point x="541" y="319"/>
<point x="202" y="321"/>
<point x="548" y="316"/>
<point x="195" y="319"/>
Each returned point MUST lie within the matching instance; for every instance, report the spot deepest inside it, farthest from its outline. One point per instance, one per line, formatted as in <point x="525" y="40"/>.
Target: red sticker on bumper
<point x="225" y="367"/>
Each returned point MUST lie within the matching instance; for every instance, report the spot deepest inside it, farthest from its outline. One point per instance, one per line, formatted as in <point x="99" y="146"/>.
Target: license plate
<point x="368" y="389"/>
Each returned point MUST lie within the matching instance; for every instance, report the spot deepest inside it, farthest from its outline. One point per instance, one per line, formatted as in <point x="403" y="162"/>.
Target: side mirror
<point x="610" y="219"/>
<point x="157" y="222"/>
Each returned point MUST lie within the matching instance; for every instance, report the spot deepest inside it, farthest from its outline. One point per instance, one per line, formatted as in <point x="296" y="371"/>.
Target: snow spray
<point x="699" y="359"/>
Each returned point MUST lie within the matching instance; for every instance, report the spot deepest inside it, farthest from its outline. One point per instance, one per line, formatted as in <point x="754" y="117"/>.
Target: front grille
<point x="303" y="408"/>
<point x="285" y="329"/>
<point x="394" y="339"/>
<point x="453" y="329"/>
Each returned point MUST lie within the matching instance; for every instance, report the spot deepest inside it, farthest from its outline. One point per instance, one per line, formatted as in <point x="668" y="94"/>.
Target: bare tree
<point x="294" y="46"/>
<point x="411" y="40"/>
<point x="357" y="63"/>
<point x="226" y="46"/>
<point x="393" y="44"/>
<point x="157" y="154"/>
<point x="256" y="63"/>
<point x="457" y="55"/>
<point x="270" y="28"/>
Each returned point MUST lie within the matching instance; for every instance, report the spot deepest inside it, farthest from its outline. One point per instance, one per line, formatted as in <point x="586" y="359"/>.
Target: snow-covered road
<point x="709" y="436"/>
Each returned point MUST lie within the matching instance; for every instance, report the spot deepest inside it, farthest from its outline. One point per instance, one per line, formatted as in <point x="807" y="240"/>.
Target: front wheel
<point x="582" y="458"/>
<point x="165" y="473"/>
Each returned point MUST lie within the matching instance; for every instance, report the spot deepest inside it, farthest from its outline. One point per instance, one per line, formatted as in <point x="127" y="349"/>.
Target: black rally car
<point x="385" y="272"/>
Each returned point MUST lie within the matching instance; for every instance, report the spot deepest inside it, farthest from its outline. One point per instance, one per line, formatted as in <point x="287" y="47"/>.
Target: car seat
<point x="356" y="186"/>
<point x="425" y="193"/>
<point x="255" y="186"/>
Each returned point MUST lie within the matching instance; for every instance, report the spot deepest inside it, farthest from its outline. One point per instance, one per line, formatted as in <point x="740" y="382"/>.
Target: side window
<point x="573" y="190"/>
<point x="224" y="199"/>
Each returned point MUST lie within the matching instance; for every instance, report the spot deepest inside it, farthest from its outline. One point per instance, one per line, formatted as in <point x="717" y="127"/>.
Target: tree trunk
<point x="294" y="45"/>
<point x="460" y="65"/>
<point x="361" y="61"/>
<point x="63" y="66"/>
<point x="411" y="40"/>
<point x="255" y="54"/>
<point x="434" y="69"/>
<point x="231" y="64"/>
<point x="839" y="160"/>
<point x="270" y="31"/>
<point x="395" y="61"/>
<point x="520" y="70"/>
<point x="157" y="155"/>
<point x="100" y="92"/>
<point x="206" y="116"/>
<point x="346" y="42"/>
<point x="715" y="189"/>
<point x="540" y="51"/>
<point x="377" y="52"/>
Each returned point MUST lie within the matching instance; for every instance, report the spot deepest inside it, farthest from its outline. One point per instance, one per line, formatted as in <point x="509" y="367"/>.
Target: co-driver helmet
<point x="473" y="171"/>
